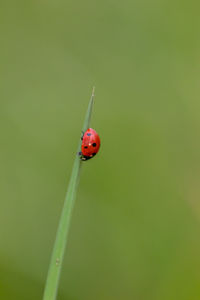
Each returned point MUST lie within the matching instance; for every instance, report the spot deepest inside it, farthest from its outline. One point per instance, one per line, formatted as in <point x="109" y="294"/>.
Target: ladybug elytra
<point x="90" y="144"/>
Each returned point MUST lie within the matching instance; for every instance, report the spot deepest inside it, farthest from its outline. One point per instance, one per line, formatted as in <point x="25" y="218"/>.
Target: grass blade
<point x="54" y="271"/>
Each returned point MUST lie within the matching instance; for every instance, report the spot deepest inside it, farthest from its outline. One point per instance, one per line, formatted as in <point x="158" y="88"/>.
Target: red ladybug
<point x="90" y="144"/>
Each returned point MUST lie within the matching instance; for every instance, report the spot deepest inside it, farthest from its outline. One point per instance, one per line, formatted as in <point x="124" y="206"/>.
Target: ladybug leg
<point x="83" y="158"/>
<point x="82" y="134"/>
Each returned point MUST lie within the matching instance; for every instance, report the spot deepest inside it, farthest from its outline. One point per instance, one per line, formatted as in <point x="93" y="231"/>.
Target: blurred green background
<point x="135" y="232"/>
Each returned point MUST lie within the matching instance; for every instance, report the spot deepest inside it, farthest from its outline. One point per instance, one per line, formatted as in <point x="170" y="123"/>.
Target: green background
<point x="135" y="232"/>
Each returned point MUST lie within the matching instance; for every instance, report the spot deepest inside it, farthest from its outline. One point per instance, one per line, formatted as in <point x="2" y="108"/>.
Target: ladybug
<point x="90" y="144"/>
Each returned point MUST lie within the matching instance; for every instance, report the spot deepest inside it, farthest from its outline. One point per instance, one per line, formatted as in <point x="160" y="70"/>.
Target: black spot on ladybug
<point x="94" y="144"/>
<point x="86" y="147"/>
<point x="89" y="134"/>
<point x="93" y="154"/>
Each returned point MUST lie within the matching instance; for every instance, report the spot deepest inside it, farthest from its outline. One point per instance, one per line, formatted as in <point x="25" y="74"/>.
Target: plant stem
<point x="55" y="266"/>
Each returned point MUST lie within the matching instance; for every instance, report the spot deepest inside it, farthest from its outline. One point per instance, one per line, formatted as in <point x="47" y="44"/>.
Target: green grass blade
<point x="54" y="271"/>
